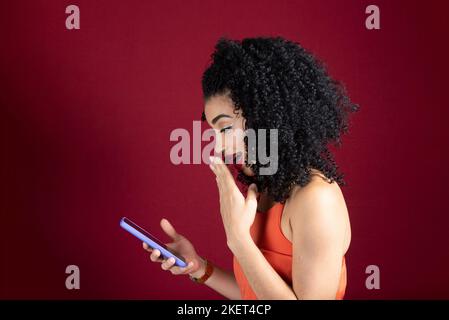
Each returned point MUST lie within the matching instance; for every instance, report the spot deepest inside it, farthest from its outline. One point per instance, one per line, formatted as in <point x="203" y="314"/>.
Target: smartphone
<point x="151" y="241"/>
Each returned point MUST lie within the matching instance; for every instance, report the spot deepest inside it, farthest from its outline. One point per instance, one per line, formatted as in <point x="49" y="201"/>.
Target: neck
<point x="264" y="203"/>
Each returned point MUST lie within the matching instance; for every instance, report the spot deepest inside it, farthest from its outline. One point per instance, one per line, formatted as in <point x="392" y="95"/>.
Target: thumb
<point x="251" y="196"/>
<point x="169" y="229"/>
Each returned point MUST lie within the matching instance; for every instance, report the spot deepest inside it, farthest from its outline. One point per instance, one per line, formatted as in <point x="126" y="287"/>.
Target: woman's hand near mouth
<point x="237" y="212"/>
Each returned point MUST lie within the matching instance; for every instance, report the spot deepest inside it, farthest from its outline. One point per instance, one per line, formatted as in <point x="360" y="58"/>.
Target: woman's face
<point x="229" y="130"/>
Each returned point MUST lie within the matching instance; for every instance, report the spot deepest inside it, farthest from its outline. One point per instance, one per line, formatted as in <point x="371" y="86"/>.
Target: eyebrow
<point x="214" y="120"/>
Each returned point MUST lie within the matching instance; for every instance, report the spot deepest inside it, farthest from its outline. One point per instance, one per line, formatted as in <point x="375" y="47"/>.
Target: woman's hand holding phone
<point x="181" y="245"/>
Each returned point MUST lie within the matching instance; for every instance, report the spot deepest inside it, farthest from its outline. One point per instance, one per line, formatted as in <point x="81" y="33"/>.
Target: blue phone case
<point x="149" y="239"/>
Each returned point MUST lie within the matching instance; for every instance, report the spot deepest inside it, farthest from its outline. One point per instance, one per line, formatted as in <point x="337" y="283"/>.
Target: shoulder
<point x="317" y="208"/>
<point x="318" y="192"/>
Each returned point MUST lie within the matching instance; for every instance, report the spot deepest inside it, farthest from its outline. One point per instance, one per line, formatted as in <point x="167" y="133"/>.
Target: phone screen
<point x="145" y="233"/>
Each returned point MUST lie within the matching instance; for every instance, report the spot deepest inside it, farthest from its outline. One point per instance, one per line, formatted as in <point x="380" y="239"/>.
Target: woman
<point x="290" y="233"/>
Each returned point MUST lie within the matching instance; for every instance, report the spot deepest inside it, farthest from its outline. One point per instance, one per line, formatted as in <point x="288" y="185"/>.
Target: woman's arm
<point x="318" y="224"/>
<point x="221" y="280"/>
<point x="238" y="215"/>
<point x="319" y="219"/>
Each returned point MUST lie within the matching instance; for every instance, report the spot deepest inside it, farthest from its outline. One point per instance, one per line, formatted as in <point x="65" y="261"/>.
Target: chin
<point x="247" y="171"/>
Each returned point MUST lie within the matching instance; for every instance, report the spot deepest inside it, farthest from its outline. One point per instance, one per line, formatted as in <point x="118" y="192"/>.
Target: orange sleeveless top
<point x="267" y="235"/>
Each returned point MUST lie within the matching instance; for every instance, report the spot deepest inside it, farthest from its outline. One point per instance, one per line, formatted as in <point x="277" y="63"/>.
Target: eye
<point x="225" y="129"/>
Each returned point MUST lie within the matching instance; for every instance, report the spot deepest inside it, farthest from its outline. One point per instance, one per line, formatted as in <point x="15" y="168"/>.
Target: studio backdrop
<point x="91" y="92"/>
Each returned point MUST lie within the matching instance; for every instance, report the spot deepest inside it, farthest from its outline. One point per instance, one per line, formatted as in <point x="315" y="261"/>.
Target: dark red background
<point x="86" y="117"/>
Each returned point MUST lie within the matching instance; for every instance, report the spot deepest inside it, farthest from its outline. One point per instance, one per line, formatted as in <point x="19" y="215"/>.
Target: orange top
<point x="267" y="234"/>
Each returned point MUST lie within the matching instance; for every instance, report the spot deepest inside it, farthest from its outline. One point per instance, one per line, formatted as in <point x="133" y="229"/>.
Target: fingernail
<point x="211" y="159"/>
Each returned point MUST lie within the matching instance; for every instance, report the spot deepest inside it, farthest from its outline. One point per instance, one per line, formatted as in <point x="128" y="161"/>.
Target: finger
<point x="167" y="264"/>
<point x="169" y="229"/>
<point x="218" y="178"/>
<point x="215" y="164"/>
<point x="220" y="166"/>
<point x="226" y="176"/>
<point x="223" y="173"/>
<point x="182" y="270"/>
<point x="251" y="197"/>
<point x="147" y="247"/>
<point x="212" y="165"/>
<point x="219" y="185"/>
<point x="155" y="255"/>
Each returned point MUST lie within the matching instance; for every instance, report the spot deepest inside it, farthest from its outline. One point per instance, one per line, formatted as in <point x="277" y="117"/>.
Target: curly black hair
<point x="276" y="83"/>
